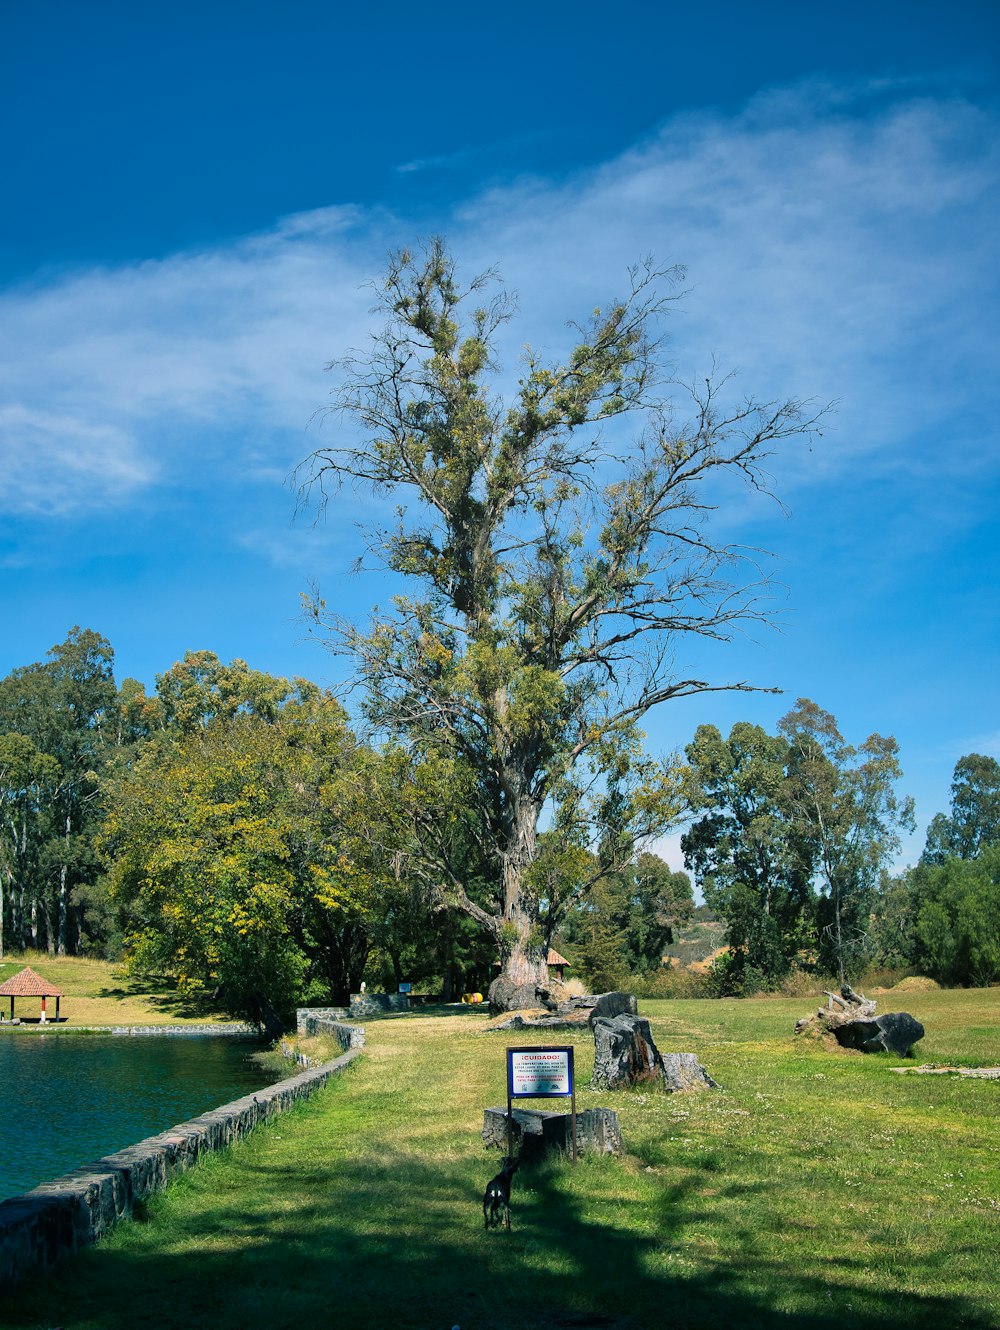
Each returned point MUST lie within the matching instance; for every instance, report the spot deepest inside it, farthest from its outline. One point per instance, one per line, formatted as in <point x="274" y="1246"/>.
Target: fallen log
<point x="850" y="1021"/>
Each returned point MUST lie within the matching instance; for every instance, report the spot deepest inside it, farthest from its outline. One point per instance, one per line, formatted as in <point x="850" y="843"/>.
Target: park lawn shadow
<point x="160" y="994"/>
<point x="330" y="1256"/>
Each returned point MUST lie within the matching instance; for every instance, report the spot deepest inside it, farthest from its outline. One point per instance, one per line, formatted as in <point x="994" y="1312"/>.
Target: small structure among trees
<point x="26" y="983"/>
<point x="557" y="964"/>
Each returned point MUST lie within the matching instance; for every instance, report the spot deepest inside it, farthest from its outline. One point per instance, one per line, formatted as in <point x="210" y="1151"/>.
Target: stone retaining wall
<point x="348" y="1036"/>
<point x="378" y="1004"/>
<point x="327" y="1020"/>
<point x="308" y="1020"/>
<point x="38" y="1228"/>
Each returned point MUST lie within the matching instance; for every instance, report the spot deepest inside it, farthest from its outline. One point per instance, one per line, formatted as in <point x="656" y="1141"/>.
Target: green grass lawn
<point x="97" y="992"/>
<point x="814" y="1189"/>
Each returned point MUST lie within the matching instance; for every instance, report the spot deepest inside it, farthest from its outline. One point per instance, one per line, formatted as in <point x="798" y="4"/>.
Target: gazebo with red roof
<point x="556" y="962"/>
<point x="29" y="984"/>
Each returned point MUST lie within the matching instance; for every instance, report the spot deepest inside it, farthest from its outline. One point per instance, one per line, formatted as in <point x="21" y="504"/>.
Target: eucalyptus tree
<point x="63" y="708"/>
<point x="974" y="822"/>
<point x="744" y="851"/>
<point x="27" y="777"/>
<point x="848" y="816"/>
<point x="954" y="918"/>
<point x="555" y="568"/>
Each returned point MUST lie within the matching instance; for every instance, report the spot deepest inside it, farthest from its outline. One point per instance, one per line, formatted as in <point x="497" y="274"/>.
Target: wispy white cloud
<point x="828" y="256"/>
<point x="446" y="161"/>
<point x="835" y="249"/>
<point x="53" y="464"/>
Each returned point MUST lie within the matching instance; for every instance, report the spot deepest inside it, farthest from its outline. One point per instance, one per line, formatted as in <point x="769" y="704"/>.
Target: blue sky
<point x="195" y="196"/>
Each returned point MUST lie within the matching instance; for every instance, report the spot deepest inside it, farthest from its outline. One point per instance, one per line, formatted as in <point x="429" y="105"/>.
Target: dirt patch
<point x="978" y="1073"/>
<point x="704" y="966"/>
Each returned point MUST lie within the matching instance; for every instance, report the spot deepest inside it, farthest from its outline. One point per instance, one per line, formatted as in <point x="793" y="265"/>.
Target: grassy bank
<point x="96" y="992"/>
<point x="815" y="1190"/>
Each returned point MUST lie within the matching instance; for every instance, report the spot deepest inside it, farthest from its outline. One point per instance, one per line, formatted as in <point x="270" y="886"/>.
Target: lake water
<point x="67" y="1100"/>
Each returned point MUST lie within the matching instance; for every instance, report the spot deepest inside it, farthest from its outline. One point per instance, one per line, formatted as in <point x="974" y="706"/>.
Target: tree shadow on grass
<point x="329" y="1251"/>
<point x="160" y="993"/>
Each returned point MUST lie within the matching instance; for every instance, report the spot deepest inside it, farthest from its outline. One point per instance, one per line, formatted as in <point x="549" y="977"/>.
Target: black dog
<point x="497" y="1197"/>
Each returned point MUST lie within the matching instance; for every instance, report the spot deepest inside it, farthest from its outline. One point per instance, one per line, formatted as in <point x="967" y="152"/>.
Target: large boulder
<point x="609" y="1005"/>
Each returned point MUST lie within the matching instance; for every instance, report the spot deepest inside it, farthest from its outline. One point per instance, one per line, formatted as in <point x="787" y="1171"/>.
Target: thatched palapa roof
<point x="28" y="984"/>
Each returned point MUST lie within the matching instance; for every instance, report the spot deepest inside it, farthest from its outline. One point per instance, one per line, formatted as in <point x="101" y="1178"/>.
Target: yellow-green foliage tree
<point x="233" y="842"/>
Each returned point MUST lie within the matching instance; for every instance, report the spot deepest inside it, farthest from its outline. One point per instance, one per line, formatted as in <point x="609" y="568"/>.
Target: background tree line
<point x="230" y="831"/>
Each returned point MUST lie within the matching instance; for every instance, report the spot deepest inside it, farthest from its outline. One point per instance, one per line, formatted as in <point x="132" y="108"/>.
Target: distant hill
<point x="701" y="939"/>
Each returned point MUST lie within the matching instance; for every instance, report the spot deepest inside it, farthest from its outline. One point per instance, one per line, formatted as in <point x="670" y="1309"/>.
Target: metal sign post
<point x="540" y="1073"/>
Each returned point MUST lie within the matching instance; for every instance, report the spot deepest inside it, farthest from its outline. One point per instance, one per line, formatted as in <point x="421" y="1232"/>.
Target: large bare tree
<point x="555" y="570"/>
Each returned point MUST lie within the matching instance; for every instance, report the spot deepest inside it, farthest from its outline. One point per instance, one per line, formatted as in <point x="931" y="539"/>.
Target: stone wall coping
<point x="71" y="1211"/>
<point x="230" y="1029"/>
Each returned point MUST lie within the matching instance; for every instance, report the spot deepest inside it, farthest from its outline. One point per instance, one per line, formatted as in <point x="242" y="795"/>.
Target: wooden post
<point x="572" y="1107"/>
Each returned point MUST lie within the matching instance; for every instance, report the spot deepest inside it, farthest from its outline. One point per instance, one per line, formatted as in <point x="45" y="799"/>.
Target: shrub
<point x="671" y="982"/>
<point x="801" y="983"/>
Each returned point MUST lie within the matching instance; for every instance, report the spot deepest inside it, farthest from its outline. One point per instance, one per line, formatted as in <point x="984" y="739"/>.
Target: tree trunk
<point x="22" y="876"/>
<point x="19" y="915"/>
<point x="523" y="980"/>
<point x="839" y="934"/>
<point x="61" y="925"/>
<point x="524" y="975"/>
<point x="267" y="1018"/>
<point x="63" y="908"/>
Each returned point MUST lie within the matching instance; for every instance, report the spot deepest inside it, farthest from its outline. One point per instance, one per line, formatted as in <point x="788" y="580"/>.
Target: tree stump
<point x="625" y="1055"/>
<point x="506" y="995"/>
<point x="535" y="1131"/>
<point x="609" y="1005"/>
<point x="683" y="1072"/>
<point x="624" y="1052"/>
